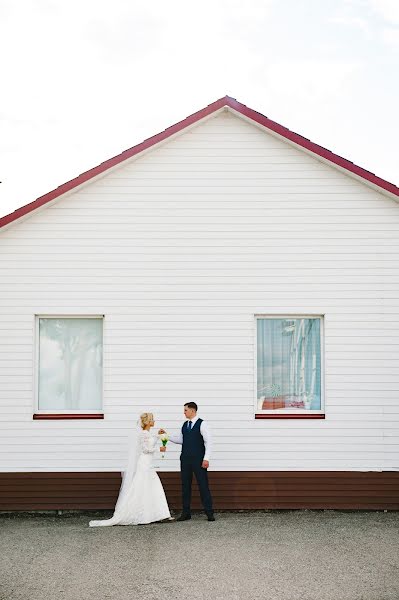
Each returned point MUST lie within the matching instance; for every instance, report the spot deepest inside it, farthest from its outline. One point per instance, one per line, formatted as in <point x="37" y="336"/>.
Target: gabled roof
<point x="234" y="105"/>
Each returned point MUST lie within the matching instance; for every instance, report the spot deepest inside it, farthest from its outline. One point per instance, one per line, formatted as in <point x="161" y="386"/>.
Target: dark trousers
<point x="188" y="466"/>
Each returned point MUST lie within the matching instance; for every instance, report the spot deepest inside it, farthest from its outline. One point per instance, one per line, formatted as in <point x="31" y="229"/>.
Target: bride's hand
<point x="162" y="449"/>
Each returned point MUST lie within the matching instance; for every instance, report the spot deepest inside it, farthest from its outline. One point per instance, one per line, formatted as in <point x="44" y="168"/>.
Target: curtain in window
<point x="70" y="364"/>
<point x="289" y="364"/>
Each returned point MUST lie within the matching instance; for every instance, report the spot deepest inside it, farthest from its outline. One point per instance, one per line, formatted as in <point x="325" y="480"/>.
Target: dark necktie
<point x="189" y="425"/>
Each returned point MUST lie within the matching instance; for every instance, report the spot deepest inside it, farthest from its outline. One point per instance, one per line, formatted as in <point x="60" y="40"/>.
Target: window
<point x="289" y="366"/>
<point x="69" y="364"/>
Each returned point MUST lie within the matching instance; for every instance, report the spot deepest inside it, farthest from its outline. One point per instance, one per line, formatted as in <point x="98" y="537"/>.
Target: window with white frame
<point x="69" y="364"/>
<point x="289" y="364"/>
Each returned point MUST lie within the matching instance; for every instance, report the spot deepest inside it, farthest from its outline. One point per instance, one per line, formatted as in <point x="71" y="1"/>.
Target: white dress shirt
<point x="205" y="432"/>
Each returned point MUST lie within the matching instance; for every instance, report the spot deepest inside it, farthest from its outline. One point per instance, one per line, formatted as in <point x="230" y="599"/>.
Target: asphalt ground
<point x="276" y="555"/>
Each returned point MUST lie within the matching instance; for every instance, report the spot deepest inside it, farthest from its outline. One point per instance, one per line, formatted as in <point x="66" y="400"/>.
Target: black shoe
<point x="210" y="517"/>
<point x="183" y="517"/>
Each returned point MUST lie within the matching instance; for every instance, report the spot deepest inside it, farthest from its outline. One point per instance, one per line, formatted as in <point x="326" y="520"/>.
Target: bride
<point x="141" y="497"/>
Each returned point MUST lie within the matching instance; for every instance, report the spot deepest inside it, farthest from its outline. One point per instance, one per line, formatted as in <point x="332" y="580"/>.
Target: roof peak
<point x="318" y="151"/>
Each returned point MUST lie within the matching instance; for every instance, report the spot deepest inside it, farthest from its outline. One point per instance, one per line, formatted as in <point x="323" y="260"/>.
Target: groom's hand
<point x="205" y="464"/>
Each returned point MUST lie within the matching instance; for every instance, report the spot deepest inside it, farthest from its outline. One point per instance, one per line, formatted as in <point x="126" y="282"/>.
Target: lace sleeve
<point x="148" y="443"/>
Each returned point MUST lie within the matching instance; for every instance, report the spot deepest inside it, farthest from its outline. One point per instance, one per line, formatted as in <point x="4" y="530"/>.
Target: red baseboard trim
<point x="231" y="490"/>
<point x="56" y="416"/>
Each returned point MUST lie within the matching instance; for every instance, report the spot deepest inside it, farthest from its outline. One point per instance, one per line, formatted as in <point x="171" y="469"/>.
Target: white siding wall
<point x="179" y="249"/>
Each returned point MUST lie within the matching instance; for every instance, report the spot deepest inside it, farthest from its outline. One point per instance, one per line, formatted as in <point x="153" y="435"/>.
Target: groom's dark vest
<point x="193" y="442"/>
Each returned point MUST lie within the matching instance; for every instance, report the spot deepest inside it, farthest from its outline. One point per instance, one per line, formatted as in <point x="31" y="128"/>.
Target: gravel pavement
<point x="276" y="555"/>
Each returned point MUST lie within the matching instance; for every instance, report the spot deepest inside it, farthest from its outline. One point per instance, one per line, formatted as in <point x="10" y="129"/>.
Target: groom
<point x="195" y="439"/>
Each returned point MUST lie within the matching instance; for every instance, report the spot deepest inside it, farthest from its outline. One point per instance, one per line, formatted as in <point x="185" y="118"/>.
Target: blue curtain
<point x="289" y="363"/>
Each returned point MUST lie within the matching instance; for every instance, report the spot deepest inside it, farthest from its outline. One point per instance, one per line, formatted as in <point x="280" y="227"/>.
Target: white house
<point x="226" y="260"/>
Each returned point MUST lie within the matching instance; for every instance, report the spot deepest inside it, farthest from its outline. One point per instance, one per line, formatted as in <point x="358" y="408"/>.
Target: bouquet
<point x="164" y="439"/>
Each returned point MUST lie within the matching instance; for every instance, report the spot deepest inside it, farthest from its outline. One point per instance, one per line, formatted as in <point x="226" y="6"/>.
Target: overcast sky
<point x="82" y="80"/>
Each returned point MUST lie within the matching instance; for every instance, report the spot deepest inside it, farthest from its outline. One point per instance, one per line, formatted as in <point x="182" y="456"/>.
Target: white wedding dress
<point x="141" y="498"/>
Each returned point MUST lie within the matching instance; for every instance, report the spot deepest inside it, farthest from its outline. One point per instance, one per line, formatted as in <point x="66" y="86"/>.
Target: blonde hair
<point x="145" y="419"/>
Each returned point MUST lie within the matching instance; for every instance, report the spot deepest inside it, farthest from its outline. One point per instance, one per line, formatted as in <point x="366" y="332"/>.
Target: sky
<point x="83" y="80"/>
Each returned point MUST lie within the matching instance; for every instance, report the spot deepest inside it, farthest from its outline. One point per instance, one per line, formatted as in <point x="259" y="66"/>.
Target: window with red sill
<point x="69" y="371"/>
<point x="289" y="376"/>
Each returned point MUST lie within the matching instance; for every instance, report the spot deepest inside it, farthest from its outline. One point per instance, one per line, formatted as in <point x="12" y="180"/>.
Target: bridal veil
<point x="127" y="477"/>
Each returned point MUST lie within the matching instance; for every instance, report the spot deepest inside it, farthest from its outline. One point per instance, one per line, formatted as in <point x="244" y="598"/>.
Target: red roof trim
<point x="194" y="118"/>
<point x="315" y="148"/>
